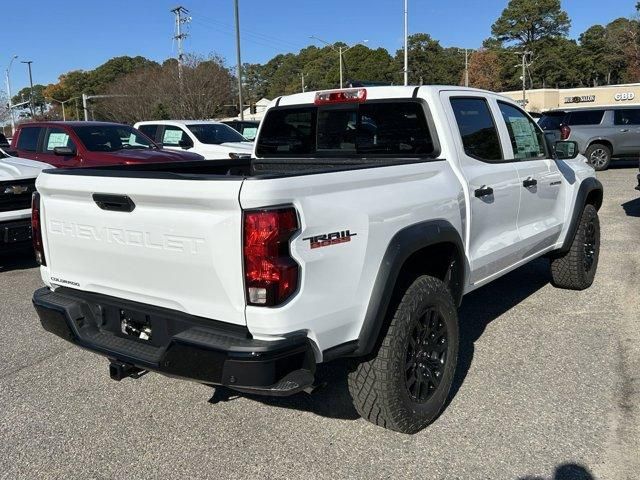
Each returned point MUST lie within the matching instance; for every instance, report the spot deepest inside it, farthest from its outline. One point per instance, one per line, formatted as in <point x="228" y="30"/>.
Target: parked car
<point x="90" y="144"/>
<point x="212" y="140"/>
<point x="17" y="185"/>
<point x="364" y="217"/>
<point x="247" y="128"/>
<point x="4" y="143"/>
<point x="602" y="133"/>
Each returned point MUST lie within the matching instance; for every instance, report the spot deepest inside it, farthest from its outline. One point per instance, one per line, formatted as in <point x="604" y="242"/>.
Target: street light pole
<point x="31" y="104"/>
<point x="62" y="102"/>
<point x="341" y="50"/>
<point x="406" y="42"/>
<point x="239" y="62"/>
<point x="7" y="71"/>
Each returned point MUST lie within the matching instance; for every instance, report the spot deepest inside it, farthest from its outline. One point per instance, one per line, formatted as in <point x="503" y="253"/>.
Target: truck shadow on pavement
<point x="632" y="207"/>
<point x="18" y="260"/>
<point x="566" y="471"/>
<point x="478" y="310"/>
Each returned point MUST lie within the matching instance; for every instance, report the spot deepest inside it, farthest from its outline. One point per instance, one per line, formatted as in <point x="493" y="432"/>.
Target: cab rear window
<point x="372" y="128"/>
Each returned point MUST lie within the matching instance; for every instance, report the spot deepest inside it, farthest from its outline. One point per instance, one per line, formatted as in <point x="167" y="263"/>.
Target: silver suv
<point x="602" y="133"/>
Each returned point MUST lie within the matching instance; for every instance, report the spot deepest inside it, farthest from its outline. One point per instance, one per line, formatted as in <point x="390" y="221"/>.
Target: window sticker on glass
<point x="57" y="140"/>
<point x="172" y="137"/>
<point x="526" y="141"/>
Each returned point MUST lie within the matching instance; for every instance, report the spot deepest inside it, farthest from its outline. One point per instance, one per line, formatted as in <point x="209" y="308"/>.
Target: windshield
<point x="111" y="138"/>
<point x="372" y="128"/>
<point x="215" y="133"/>
<point x="551" y="121"/>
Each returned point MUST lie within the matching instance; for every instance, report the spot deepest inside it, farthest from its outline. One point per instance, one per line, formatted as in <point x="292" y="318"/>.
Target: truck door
<point x="493" y="185"/>
<point x="540" y="215"/>
<point x="627" y="131"/>
<point x="57" y="137"/>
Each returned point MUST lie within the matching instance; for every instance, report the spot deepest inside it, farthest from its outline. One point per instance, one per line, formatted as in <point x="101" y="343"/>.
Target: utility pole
<point x="181" y="18"/>
<point x="241" y="103"/>
<point x="62" y="102"/>
<point x="31" y="104"/>
<point x="303" y="86"/>
<point x="7" y="71"/>
<point x="341" y="50"/>
<point x="466" y="67"/>
<point x="406" y="42"/>
<point x="524" y="65"/>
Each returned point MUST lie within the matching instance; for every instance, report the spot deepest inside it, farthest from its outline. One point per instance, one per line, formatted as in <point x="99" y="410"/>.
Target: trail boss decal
<point x="328" y="239"/>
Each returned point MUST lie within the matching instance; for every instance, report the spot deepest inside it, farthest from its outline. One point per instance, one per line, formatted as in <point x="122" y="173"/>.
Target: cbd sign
<point x="621" y="97"/>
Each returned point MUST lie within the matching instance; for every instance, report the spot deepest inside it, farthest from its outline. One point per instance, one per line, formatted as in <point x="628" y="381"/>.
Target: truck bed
<point x="237" y="169"/>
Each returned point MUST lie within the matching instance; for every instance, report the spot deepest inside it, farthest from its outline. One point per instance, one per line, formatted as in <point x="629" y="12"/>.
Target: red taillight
<point x="271" y="275"/>
<point x="565" y="131"/>
<point x="341" y="96"/>
<point x="36" y="229"/>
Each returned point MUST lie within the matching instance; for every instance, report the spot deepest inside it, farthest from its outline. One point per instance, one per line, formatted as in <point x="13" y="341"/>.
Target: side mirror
<point x="565" y="150"/>
<point x="186" y="144"/>
<point x="64" y="151"/>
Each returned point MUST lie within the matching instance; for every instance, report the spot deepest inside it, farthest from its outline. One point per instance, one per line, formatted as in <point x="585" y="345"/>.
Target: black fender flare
<point x="587" y="186"/>
<point x="404" y="243"/>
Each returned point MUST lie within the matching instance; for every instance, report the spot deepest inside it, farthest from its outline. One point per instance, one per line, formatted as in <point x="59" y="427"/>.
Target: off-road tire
<point x="598" y="156"/>
<point x="379" y="386"/>
<point x="573" y="270"/>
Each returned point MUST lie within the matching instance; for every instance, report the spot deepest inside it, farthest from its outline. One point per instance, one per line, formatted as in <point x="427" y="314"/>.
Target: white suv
<point x="212" y="140"/>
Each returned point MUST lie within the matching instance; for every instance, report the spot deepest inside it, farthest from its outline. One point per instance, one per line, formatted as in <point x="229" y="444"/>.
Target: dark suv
<point x="602" y="133"/>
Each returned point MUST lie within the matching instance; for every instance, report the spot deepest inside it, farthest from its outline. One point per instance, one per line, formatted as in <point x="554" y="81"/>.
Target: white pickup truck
<point x="363" y="218"/>
<point x="17" y="185"/>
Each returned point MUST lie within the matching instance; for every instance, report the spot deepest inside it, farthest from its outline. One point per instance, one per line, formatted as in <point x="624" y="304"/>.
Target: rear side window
<point x="28" y="138"/>
<point x="372" y="128"/>
<point x="477" y="128"/>
<point x="586" y="117"/>
<point x="627" y="116"/>
<point x="149" y="130"/>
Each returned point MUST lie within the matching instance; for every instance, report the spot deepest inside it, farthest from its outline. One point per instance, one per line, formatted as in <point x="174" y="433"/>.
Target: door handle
<point x="116" y="203"/>
<point x="624" y="130"/>
<point x="529" y="182"/>
<point x="483" y="191"/>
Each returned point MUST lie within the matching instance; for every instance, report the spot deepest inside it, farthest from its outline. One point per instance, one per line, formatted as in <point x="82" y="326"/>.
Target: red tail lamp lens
<point x="271" y="274"/>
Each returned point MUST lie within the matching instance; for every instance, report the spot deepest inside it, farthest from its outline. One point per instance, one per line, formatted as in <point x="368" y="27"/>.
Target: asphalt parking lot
<point x="548" y="388"/>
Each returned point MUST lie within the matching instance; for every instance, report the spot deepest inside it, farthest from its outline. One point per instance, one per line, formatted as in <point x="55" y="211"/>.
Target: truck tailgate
<point x="179" y="248"/>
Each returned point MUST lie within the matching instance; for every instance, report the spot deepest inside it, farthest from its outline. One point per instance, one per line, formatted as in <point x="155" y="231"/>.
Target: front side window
<point x="372" y="128"/>
<point x="172" y="136"/>
<point x="56" y="137"/>
<point x="112" y="138"/>
<point x="477" y="128"/>
<point x="215" y="134"/>
<point x="526" y="139"/>
<point x="28" y="139"/>
<point x="627" y="116"/>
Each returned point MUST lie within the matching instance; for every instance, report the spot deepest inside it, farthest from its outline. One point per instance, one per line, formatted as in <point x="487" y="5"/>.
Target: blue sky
<point x="65" y="35"/>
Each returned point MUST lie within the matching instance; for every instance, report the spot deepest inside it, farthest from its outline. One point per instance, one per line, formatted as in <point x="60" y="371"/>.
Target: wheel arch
<point x="599" y="141"/>
<point x="590" y="192"/>
<point x="432" y="248"/>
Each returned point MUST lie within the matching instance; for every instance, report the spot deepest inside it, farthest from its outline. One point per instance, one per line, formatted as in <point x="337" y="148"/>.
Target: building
<point x="543" y="99"/>
<point x="260" y="109"/>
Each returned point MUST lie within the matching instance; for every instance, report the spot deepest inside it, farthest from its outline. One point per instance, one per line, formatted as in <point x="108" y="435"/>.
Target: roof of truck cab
<point x="381" y="93"/>
<point x="74" y="123"/>
<point x="178" y="122"/>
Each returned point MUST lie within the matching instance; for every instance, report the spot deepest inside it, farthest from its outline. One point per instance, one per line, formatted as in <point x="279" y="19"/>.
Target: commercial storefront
<point x="543" y="99"/>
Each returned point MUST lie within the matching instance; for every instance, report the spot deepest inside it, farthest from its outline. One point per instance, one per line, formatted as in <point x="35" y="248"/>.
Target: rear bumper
<point x="180" y="345"/>
<point x="15" y="234"/>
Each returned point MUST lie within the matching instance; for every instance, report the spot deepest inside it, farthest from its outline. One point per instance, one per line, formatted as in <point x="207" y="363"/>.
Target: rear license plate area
<point x="135" y="324"/>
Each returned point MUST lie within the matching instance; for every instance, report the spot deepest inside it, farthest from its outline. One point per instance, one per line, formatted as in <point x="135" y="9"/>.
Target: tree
<point x="524" y="22"/>
<point x="429" y="63"/>
<point x="484" y="70"/>
<point x="24" y="95"/>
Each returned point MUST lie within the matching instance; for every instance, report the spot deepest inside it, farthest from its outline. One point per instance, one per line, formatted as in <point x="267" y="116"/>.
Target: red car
<point x="90" y="144"/>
